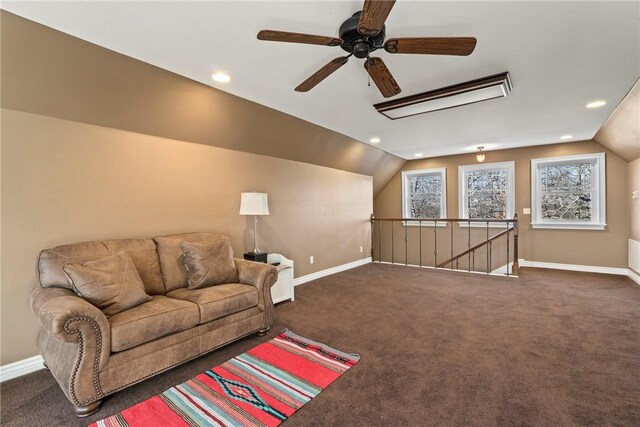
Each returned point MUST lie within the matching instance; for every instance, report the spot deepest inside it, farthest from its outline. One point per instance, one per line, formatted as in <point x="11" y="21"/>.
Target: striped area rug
<point x="262" y="387"/>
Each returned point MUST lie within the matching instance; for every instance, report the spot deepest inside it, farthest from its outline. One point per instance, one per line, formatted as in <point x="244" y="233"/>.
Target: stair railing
<point x="511" y="232"/>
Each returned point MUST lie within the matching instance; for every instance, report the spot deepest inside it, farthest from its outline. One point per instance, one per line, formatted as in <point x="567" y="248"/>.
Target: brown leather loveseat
<point x="93" y="351"/>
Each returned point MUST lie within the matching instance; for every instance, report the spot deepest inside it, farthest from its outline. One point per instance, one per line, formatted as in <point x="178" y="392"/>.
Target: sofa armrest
<point x="262" y="276"/>
<point x="83" y="336"/>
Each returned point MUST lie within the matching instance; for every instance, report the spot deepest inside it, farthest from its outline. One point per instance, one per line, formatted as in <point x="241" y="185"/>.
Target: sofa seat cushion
<point x="154" y="319"/>
<point x="219" y="301"/>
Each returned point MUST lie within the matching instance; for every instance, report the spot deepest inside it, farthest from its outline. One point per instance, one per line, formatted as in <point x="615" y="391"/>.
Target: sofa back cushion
<point x="209" y="263"/>
<point x="172" y="259"/>
<point x="111" y="283"/>
<point x="142" y="253"/>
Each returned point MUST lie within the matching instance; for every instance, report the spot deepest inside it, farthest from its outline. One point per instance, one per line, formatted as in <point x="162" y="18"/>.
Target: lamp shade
<point x="254" y="204"/>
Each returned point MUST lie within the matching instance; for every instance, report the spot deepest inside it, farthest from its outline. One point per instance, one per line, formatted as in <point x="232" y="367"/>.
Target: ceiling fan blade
<point x="382" y="77"/>
<point x="283" y="36"/>
<point x="460" y="46"/>
<point x="374" y="13"/>
<point x="322" y="74"/>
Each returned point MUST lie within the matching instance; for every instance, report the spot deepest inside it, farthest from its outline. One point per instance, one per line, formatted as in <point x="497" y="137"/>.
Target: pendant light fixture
<point x="480" y="154"/>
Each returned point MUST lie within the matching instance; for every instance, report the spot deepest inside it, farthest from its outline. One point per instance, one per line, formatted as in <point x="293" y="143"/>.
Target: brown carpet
<point x="438" y="348"/>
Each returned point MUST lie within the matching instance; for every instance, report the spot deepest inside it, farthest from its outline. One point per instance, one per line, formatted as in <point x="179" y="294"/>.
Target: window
<point x="568" y="192"/>
<point x="486" y="191"/>
<point x="424" y="194"/>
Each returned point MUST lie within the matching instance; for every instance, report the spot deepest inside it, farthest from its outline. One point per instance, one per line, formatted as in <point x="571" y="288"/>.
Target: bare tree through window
<point x="487" y="194"/>
<point x="566" y="191"/>
<point x="425" y="195"/>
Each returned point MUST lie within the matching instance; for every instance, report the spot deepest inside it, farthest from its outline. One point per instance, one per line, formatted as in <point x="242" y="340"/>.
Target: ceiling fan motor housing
<point x="356" y="43"/>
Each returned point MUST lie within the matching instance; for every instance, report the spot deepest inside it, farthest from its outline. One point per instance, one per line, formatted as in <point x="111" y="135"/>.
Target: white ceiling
<point x="561" y="55"/>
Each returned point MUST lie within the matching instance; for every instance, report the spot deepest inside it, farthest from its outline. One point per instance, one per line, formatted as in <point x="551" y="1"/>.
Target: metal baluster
<point x="457" y="265"/>
<point x="508" y="248"/>
<point x="490" y="243"/>
<point x="474" y="261"/>
<point x="405" y="243"/>
<point x="379" y="241"/>
<point x="469" y="245"/>
<point x="452" y="245"/>
<point x="435" y="244"/>
<point x="420" y="239"/>
<point x="488" y="261"/>
<point x="392" y="244"/>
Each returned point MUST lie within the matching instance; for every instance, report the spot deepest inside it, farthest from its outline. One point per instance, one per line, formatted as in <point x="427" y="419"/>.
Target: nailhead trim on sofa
<point x="96" y="362"/>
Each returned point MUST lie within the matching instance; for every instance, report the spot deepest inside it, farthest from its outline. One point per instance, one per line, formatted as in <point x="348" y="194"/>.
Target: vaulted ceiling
<point x="561" y="55"/>
<point x="621" y="132"/>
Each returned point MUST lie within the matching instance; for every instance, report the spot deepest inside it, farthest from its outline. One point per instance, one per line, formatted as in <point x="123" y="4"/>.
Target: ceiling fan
<point x="364" y="33"/>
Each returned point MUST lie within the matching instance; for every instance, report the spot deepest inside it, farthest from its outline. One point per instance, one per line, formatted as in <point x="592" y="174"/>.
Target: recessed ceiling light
<point x="418" y="154"/>
<point x="596" y="104"/>
<point x="221" y="77"/>
<point x="374" y="140"/>
<point x="566" y="137"/>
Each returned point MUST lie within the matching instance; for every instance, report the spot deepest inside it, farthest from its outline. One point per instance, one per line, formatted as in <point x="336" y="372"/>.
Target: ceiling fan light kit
<point x="364" y="33"/>
<point x="478" y="90"/>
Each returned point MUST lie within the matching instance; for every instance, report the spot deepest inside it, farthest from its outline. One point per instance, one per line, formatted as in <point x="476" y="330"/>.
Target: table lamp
<point x="254" y="204"/>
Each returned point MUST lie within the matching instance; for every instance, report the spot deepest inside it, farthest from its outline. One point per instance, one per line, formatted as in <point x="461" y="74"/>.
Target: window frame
<point x="443" y="196"/>
<point x="598" y="185"/>
<point x="463" y="170"/>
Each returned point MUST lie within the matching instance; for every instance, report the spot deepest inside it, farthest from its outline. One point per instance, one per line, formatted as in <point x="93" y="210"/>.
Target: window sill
<point x="565" y="226"/>
<point x="425" y="224"/>
<point x="502" y="225"/>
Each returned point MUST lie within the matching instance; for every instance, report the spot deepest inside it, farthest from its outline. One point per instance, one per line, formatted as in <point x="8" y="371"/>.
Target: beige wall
<point x="65" y="182"/>
<point x="634" y="204"/>
<point x="44" y="71"/>
<point x="599" y="248"/>
<point x="98" y="145"/>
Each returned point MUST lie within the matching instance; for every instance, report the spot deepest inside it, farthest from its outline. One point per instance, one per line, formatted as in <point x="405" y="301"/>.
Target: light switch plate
<point x="526" y="211"/>
<point x="634" y="195"/>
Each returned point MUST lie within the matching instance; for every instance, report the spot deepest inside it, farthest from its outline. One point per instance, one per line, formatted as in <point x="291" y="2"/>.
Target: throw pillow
<point x="112" y="283"/>
<point x="209" y="263"/>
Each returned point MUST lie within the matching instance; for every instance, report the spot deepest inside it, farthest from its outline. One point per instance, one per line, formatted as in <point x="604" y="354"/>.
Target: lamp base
<point x="256" y="256"/>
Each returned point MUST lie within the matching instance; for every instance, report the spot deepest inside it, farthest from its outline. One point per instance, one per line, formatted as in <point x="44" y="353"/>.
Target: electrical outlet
<point x="360" y="249"/>
<point x="311" y="259"/>
<point x="526" y="211"/>
<point x="634" y="195"/>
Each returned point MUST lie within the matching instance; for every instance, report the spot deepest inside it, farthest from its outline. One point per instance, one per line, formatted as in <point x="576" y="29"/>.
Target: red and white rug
<point x="262" y="387"/>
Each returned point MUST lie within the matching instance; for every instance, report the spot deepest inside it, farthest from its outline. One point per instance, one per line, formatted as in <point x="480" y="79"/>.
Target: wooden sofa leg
<point x="90" y="409"/>
<point x="264" y="331"/>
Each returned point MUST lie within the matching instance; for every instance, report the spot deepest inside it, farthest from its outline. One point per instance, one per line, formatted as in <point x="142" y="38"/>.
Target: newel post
<point x="516" y="227"/>
<point x="373" y="227"/>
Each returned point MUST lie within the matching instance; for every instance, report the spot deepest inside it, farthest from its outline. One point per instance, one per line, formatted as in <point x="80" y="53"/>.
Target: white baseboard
<point x="21" y="367"/>
<point x="333" y="270"/>
<point x="634" y="276"/>
<point x="503" y="269"/>
<point x="35" y="363"/>
<point x="586" y="268"/>
<point x="634" y="255"/>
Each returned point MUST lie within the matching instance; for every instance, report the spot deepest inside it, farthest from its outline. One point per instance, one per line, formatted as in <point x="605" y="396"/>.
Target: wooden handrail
<point x="513" y="220"/>
<point x="476" y="247"/>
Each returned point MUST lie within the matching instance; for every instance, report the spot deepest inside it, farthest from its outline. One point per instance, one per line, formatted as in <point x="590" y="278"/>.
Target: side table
<point x="282" y="290"/>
